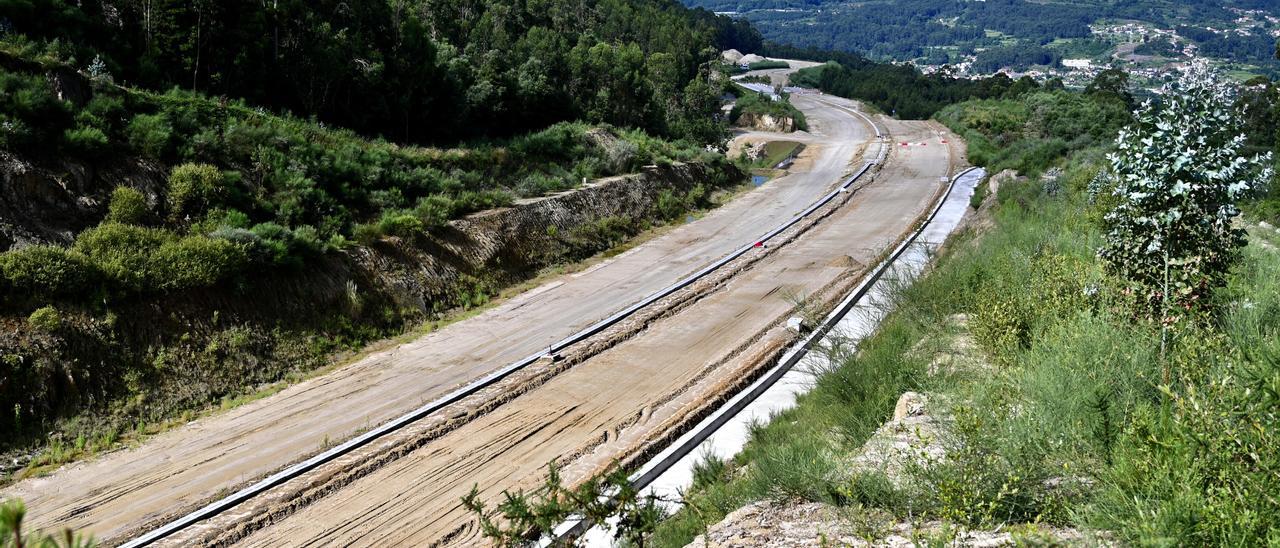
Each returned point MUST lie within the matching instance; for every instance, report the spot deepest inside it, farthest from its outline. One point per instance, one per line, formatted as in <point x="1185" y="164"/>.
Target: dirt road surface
<point x="595" y="410"/>
<point x="181" y="469"/>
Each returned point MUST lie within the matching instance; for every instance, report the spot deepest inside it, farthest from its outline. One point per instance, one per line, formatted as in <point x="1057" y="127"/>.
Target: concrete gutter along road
<point x="668" y="362"/>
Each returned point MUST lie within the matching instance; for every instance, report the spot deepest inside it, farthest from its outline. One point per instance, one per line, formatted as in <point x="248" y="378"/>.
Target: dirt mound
<point x="845" y="261"/>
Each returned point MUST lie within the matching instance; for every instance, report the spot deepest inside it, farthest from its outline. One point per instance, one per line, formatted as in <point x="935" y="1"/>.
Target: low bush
<point x="125" y="254"/>
<point x="44" y="273"/>
<point x="194" y="188"/>
<point x="46" y="319"/>
<point x="1000" y="325"/>
<point x="127" y="206"/>
<point x="197" y="261"/>
<point x="89" y="142"/>
<point x="149" y="134"/>
<point x="401" y="224"/>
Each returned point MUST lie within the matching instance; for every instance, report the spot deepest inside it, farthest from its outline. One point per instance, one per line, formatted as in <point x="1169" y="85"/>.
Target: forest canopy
<point x="426" y="71"/>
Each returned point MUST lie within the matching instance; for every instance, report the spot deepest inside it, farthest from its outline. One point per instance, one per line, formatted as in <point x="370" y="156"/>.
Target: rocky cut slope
<point x="87" y="372"/>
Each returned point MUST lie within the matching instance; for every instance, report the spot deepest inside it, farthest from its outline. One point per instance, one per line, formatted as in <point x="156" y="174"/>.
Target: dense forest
<point x="994" y="59"/>
<point x="420" y="70"/>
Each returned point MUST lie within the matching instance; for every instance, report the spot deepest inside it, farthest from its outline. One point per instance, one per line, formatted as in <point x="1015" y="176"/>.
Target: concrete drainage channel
<point x="725" y="431"/>
<point x="551" y="354"/>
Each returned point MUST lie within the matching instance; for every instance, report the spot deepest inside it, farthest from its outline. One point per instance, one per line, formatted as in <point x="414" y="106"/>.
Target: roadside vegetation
<point x="757" y="105"/>
<point x="12" y="535"/>
<point x="248" y="188"/>
<point x="1103" y="394"/>
<point x="768" y="64"/>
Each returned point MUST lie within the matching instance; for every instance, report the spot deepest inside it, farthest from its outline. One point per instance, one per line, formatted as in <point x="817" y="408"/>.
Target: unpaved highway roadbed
<point x="126" y="491"/>
<point x="609" y="404"/>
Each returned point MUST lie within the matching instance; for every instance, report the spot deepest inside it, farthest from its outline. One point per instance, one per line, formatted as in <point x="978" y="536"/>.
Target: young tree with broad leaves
<point x="1176" y="175"/>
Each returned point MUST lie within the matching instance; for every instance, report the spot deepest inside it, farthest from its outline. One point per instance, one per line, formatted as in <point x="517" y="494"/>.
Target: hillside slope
<point x="164" y="250"/>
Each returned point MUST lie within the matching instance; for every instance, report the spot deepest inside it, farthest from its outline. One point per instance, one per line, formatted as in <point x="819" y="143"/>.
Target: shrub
<point x="400" y="223"/>
<point x="31" y="116"/>
<point x="276" y="241"/>
<point x="44" y="272"/>
<point x="149" y="134"/>
<point x="124" y="253"/>
<point x="306" y="239"/>
<point x="127" y="206"/>
<point x="366" y="234"/>
<point x="540" y="184"/>
<point x="668" y="205"/>
<point x="45" y="319"/>
<point x="193" y="188"/>
<point x="197" y="261"/>
<point x="434" y="211"/>
<point x="221" y="218"/>
<point x="1000" y="325"/>
<point x="88" y="141"/>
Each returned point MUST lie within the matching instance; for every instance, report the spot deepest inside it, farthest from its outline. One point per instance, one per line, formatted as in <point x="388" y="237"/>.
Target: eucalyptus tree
<point x="1176" y="176"/>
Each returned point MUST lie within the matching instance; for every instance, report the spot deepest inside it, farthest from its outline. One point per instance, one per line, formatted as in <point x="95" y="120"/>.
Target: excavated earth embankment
<point x="149" y="358"/>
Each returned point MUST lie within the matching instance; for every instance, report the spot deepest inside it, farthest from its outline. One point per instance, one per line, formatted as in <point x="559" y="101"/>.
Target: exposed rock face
<point x="767" y="122"/>
<point x="911" y="437"/>
<point x="506" y="245"/>
<point x="278" y="317"/>
<point x="51" y="204"/>
<point x="69" y="85"/>
<point x="731" y="56"/>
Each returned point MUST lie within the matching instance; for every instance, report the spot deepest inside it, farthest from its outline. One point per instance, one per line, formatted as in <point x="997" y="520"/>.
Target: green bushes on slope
<point x="1032" y="132"/>
<point x="759" y="104"/>
<point x="253" y="188"/>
